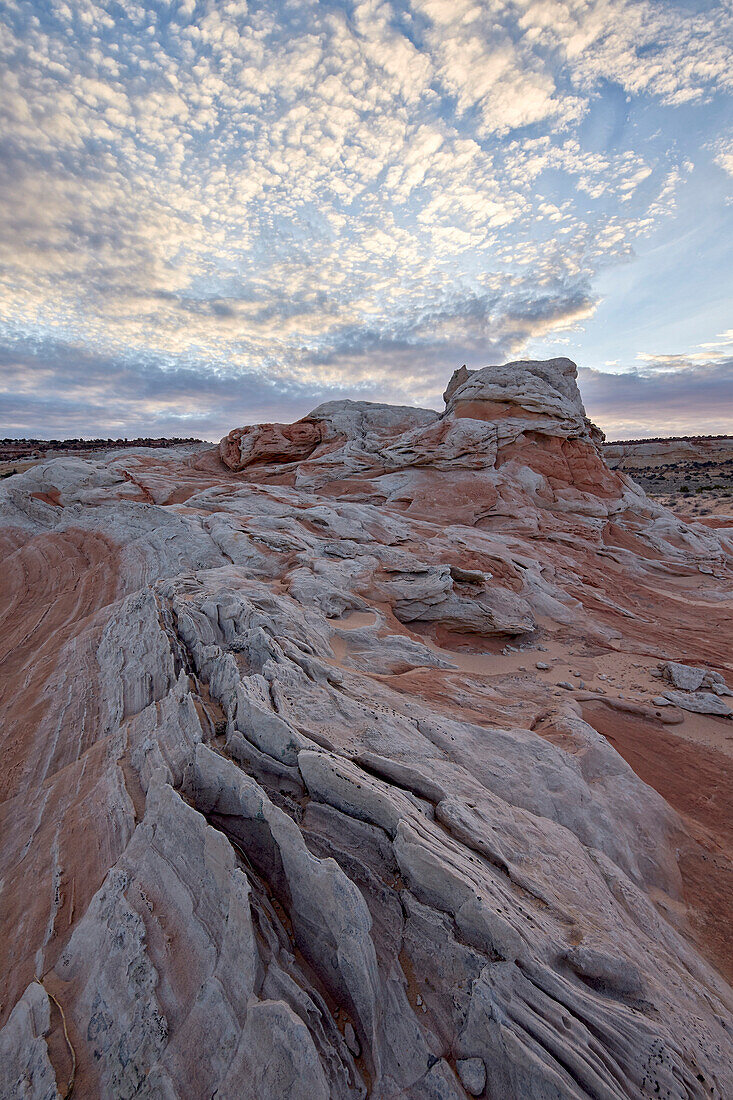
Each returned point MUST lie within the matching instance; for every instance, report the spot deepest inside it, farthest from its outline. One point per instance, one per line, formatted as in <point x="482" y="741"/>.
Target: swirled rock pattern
<point x="290" y="808"/>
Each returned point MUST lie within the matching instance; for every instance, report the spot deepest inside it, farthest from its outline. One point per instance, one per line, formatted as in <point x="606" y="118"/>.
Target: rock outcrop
<point x="290" y="807"/>
<point x="532" y="392"/>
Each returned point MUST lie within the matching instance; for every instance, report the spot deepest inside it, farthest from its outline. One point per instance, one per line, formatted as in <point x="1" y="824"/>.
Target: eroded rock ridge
<point x="293" y="802"/>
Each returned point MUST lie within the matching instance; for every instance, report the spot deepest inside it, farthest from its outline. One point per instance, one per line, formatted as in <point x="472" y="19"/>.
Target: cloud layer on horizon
<point x="293" y="202"/>
<point x="60" y="391"/>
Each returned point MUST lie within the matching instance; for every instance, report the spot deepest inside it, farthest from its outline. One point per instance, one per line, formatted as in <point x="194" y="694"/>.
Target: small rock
<point x="660" y="701"/>
<point x="351" y="1040"/>
<point x="522" y="668"/>
<point x="472" y="1073"/>
<point x="565" y="684"/>
<point x="576" y="674"/>
<point x="581" y="683"/>
<point x="542" y="666"/>
<point x="418" y="999"/>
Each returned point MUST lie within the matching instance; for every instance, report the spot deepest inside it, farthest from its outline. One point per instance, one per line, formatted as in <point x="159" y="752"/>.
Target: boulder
<point x="472" y="1073"/>
<point x="689" y="678"/>
<point x="699" y="702"/>
<point x="271" y="443"/>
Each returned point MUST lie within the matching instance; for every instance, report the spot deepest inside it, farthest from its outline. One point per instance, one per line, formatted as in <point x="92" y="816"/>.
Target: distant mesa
<point x="28" y="448"/>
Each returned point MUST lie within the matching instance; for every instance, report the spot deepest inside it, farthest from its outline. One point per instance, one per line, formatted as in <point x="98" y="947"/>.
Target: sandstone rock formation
<point x="290" y="808"/>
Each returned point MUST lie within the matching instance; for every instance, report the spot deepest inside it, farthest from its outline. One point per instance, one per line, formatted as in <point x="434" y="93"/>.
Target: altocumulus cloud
<point x="216" y="212"/>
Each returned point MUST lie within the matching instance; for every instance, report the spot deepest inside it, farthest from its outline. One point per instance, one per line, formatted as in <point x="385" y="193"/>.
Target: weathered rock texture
<point x="283" y="817"/>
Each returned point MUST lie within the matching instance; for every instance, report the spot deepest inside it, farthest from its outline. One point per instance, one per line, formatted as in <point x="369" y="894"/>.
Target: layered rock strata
<point x="282" y="813"/>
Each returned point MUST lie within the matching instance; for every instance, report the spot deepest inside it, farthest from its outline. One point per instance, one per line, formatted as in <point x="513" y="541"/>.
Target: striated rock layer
<point x="317" y="779"/>
<point x="711" y="451"/>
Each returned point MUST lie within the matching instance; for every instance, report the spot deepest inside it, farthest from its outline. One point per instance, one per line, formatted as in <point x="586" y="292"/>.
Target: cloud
<point x="671" y="395"/>
<point x="724" y="154"/>
<point x="58" y="391"/>
<point x="664" y="50"/>
<point x="260" y="188"/>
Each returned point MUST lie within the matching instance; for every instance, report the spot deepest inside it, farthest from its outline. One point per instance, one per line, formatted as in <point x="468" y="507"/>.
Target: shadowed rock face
<point x="293" y="803"/>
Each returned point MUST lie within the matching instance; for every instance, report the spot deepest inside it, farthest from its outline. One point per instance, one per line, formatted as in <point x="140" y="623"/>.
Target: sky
<point x="218" y="212"/>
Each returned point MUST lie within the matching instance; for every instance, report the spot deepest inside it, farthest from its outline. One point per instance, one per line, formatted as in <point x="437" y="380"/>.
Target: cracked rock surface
<point x="283" y="813"/>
